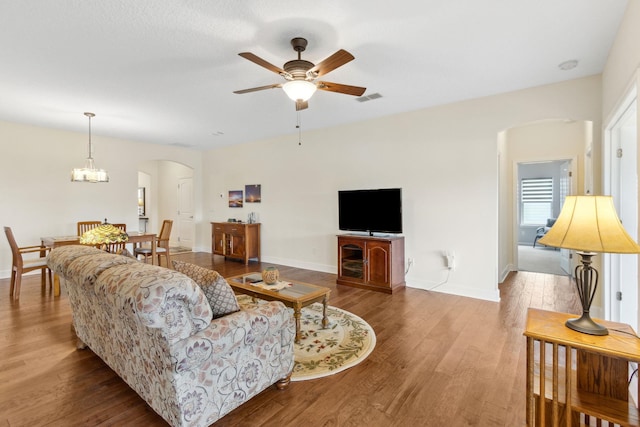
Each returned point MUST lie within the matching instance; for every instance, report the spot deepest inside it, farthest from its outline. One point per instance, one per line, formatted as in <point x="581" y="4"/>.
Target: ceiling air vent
<point x="369" y="97"/>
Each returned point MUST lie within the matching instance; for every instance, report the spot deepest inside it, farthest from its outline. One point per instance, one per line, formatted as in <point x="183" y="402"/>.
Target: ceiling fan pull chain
<point x="299" y="128"/>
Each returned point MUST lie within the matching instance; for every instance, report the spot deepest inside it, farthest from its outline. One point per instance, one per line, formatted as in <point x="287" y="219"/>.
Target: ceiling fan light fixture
<point x="299" y="89"/>
<point x="301" y="75"/>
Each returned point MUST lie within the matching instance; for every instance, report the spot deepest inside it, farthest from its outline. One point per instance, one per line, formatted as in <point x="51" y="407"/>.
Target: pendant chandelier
<point x="89" y="173"/>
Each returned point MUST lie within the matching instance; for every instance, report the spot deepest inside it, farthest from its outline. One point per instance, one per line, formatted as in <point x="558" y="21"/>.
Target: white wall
<point x="623" y="61"/>
<point x="37" y="197"/>
<point x="444" y="158"/>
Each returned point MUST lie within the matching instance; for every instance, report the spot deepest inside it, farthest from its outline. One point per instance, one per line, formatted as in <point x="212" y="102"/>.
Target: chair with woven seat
<point x="162" y="244"/>
<point x="84" y="226"/>
<point x="21" y="265"/>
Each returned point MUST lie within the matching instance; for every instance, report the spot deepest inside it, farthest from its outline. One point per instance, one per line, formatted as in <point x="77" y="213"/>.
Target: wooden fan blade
<point x="257" y="60"/>
<point x="336" y="60"/>
<point x="340" y="88"/>
<point x="255" y="89"/>
<point x="301" y="105"/>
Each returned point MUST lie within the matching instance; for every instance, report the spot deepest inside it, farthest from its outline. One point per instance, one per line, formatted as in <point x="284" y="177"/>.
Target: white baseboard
<point x="455" y="289"/>
<point x="332" y="269"/>
<point x="508" y="269"/>
<point x="6" y="274"/>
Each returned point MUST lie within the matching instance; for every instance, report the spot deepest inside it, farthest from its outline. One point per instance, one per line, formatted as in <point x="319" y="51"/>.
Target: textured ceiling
<point x="164" y="71"/>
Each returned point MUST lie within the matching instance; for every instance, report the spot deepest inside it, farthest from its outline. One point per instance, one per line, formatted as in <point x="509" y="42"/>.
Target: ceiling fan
<point x="301" y="75"/>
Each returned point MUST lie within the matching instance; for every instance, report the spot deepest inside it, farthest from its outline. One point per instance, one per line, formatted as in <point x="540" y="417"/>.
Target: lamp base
<point x="587" y="326"/>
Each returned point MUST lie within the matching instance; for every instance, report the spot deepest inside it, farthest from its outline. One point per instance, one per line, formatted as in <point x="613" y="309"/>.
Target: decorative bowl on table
<point x="270" y="275"/>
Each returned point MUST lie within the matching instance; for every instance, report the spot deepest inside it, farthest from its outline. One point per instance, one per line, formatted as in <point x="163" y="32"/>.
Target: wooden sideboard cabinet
<point x="371" y="262"/>
<point x="236" y="240"/>
<point x="575" y="379"/>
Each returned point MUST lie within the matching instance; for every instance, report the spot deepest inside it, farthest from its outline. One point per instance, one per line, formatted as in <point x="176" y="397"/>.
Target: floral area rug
<point x="347" y="341"/>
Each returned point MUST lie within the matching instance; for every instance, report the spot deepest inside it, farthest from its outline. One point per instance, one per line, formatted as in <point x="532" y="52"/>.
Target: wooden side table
<point x="574" y="377"/>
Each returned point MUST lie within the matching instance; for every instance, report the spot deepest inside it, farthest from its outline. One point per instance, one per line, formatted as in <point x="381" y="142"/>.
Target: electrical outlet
<point x="450" y="259"/>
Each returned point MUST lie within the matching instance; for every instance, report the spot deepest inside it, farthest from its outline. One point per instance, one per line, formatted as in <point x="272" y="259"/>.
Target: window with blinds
<point x="536" y="202"/>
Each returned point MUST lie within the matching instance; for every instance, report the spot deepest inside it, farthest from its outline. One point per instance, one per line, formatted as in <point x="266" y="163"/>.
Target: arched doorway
<point x="166" y="197"/>
<point x="540" y="142"/>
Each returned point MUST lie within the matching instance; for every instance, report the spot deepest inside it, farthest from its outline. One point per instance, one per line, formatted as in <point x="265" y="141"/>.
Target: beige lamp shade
<point x="590" y="224"/>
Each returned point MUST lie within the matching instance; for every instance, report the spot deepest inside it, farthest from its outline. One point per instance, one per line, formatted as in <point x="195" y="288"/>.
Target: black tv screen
<point x="373" y="211"/>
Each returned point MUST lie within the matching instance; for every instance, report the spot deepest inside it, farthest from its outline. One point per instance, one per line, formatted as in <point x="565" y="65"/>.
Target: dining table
<point x="135" y="238"/>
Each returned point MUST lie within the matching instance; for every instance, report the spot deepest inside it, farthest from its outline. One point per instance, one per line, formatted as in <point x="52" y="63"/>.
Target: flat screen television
<point x="373" y="211"/>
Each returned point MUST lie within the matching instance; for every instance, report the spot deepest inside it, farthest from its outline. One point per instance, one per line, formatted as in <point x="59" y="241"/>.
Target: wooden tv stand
<point x="371" y="262"/>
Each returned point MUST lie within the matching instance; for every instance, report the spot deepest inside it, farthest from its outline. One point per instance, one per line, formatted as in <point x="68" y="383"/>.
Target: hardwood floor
<point x="439" y="360"/>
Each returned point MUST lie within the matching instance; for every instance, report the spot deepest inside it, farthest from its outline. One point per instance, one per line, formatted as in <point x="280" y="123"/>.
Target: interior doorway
<point x="144" y="194"/>
<point x="538" y="142"/>
<point x="186" y="228"/>
<point x="542" y="188"/>
<point x="164" y="202"/>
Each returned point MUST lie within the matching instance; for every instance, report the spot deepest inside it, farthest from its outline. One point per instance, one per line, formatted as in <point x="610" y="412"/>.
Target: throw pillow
<point x="218" y="292"/>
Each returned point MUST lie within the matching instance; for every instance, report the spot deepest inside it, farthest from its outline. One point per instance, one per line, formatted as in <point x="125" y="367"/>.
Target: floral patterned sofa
<point x="153" y="326"/>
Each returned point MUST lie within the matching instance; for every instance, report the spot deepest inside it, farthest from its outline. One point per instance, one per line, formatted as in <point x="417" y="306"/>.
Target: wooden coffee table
<point x="296" y="296"/>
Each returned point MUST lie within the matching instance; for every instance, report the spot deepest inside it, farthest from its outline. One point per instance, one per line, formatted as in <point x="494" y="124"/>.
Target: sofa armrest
<point x="244" y="328"/>
<point x="232" y="329"/>
<point x="234" y="358"/>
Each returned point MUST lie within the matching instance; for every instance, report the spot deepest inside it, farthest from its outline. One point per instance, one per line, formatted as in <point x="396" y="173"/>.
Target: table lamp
<point x="103" y="235"/>
<point x="589" y="224"/>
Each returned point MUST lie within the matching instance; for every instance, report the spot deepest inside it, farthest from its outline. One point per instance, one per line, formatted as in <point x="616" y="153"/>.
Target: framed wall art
<point x="235" y="199"/>
<point x="252" y="193"/>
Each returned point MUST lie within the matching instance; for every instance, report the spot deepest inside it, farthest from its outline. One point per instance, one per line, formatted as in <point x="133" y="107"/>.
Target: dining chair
<point x="21" y="265"/>
<point x="162" y="244"/>
<point x="84" y="226"/>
